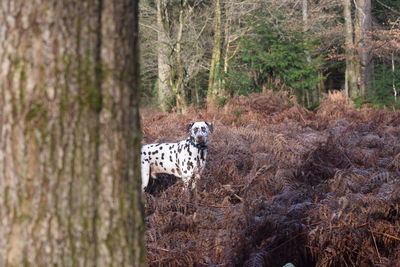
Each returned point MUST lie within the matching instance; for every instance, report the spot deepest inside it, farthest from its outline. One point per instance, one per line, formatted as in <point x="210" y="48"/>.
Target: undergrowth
<point x="282" y="184"/>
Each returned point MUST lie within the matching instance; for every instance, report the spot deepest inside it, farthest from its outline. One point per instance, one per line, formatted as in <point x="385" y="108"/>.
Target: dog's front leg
<point x="195" y="178"/>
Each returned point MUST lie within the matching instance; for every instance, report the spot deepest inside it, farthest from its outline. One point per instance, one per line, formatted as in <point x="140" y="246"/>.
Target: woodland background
<point x="304" y="163"/>
<point x="302" y="167"/>
<point x="200" y="52"/>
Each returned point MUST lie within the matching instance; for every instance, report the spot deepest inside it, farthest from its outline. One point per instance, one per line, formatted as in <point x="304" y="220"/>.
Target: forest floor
<point x="282" y="184"/>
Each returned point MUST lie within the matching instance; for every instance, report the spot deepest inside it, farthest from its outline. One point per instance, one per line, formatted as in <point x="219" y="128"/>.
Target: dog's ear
<point x="189" y="127"/>
<point x="210" y="127"/>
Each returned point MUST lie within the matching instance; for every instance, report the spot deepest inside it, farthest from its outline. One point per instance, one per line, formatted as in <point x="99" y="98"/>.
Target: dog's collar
<point x="198" y="146"/>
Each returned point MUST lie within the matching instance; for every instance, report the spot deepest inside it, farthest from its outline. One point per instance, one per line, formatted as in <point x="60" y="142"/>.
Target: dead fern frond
<point x="395" y="163"/>
<point x="276" y="171"/>
<point x="256" y="260"/>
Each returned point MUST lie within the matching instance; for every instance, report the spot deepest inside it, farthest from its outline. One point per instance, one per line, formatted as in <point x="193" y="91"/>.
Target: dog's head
<point x="199" y="131"/>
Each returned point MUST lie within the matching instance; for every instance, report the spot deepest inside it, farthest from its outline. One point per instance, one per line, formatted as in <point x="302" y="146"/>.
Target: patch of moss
<point x="36" y="112"/>
<point x="90" y="74"/>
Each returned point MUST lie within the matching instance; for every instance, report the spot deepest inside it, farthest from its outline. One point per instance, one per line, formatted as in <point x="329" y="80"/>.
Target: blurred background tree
<point x="220" y="48"/>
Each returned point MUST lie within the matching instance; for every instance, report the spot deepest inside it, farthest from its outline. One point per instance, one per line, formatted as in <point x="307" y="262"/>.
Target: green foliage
<point x="383" y="81"/>
<point x="273" y="56"/>
<point x="221" y="101"/>
<point x="383" y="96"/>
<point x="239" y="80"/>
<point x="383" y="85"/>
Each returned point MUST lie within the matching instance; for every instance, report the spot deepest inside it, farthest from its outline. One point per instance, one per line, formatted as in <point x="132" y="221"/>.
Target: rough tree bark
<point x="69" y="134"/>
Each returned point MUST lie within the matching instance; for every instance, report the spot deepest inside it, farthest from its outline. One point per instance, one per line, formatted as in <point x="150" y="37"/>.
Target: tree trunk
<point x="305" y="24"/>
<point x="312" y="93"/>
<point x="362" y="39"/>
<point x="393" y="78"/>
<point x="226" y="51"/>
<point x="352" y="74"/>
<point x="178" y="75"/>
<point x="214" y="86"/>
<point x="164" y="50"/>
<point x="69" y="134"/>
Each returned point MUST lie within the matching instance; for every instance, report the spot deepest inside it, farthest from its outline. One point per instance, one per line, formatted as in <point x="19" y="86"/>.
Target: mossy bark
<point x="69" y="134"/>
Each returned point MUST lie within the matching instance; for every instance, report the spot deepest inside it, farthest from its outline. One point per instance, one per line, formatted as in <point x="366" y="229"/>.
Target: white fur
<point x="185" y="159"/>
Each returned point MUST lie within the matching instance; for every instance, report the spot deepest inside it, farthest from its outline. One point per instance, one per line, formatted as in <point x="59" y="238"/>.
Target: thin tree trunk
<point x="164" y="51"/>
<point x="393" y="79"/>
<point x="305" y="25"/>
<point x="69" y="134"/>
<point x="178" y="75"/>
<point x="226" y="50"/>
<point x="321" y="86"/>
<point x="312" y="92"/>
<point x="214" y="86"/>
<point x="352" y="67"/>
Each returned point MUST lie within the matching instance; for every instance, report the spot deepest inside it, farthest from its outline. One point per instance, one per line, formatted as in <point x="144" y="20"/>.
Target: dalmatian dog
<point x="185" y="159"/>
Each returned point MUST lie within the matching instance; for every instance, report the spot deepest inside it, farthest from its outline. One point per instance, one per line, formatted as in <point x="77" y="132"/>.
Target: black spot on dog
<point x="170" y="158"/>
<point x="161" y="147"/>
<point x="144" y="153"/>
<point x="156" y="164"/>
<point x="156" y="157"/>
<point x="161" y="164"/>
<point x="155" y="152"/>
<point x="162" y="156"/>
<point x="173" y="170"/>
<point x="189" y="164"/>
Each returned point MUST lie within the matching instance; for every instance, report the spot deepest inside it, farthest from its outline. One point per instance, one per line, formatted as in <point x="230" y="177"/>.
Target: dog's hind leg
<point x="145" y="174"/>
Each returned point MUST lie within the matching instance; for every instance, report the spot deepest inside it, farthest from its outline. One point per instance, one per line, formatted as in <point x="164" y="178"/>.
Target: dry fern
<point x="282" y="184"/>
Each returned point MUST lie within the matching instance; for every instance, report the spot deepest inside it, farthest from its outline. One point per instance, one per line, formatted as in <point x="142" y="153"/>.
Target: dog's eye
<point x="195" y="130"/>
<point x="203" y="129"/>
